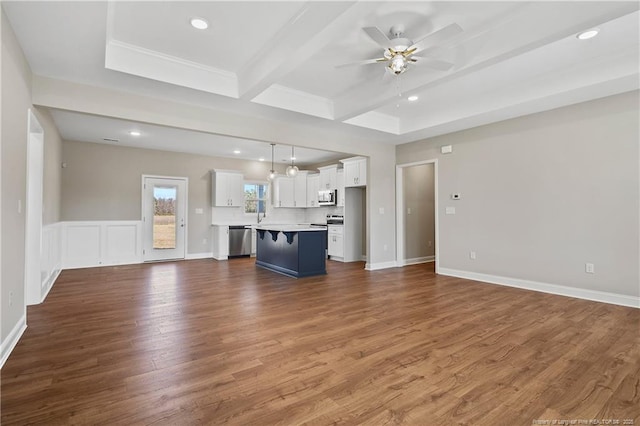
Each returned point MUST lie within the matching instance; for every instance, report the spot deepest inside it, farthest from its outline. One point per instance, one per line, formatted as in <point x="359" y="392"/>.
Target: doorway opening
<point x="33" y="238"/>
<point x="417" y="213"/>
<point x="164" y="225"/>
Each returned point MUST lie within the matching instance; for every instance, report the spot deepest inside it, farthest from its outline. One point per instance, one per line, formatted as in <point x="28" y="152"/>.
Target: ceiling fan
<point x="399" y="51"/>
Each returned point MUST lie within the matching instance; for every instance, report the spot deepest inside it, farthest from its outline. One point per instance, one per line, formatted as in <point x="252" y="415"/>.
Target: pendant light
<point x="273" y="173"/>
<point x="292" y="170"/>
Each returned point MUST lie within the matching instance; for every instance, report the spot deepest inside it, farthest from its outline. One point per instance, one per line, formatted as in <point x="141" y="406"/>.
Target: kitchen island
<point x="293" y="250"/>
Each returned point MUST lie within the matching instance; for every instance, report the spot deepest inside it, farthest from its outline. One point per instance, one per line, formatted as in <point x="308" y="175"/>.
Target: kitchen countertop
<point x="287" y="228"/>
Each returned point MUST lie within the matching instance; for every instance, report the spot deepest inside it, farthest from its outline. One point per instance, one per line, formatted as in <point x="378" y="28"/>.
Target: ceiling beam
<point x="315" y="26"/>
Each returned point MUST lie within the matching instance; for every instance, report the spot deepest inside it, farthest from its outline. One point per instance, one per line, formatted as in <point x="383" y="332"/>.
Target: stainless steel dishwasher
<point x="239" y="241"/>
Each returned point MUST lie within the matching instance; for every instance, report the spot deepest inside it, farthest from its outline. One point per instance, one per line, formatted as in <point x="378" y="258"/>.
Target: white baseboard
<point x="416" y="260"/>
<point x="12" y="339"/>
<point x="579" y="293"/>
<point x="48" y="285"/>
<point x="193" y="256"/>
<point x="380" y="265"/>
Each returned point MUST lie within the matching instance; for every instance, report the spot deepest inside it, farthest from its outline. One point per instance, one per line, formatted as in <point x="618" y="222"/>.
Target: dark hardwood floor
<point x="206" y="342"/>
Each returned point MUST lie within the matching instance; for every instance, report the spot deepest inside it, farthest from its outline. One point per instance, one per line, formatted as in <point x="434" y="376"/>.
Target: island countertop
<point x="288" y="228"/>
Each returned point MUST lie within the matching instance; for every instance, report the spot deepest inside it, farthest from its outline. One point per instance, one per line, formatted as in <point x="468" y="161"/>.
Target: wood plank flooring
<point x="206" y="342"/>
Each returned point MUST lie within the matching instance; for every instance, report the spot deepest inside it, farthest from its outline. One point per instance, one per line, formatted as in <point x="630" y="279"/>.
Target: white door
<point x="164" y="210"/>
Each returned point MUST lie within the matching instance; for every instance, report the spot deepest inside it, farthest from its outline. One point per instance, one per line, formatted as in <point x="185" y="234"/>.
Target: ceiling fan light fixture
<point x="398" y="64"/>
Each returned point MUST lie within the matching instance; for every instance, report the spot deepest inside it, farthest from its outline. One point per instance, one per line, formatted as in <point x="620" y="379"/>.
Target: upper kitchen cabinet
<point x="340" y="188"/>
<point x="328" y="177"/>
<point x="283" y="193"/>
<point x="313" y="185"/>
<point x="290" y="192"/>
<point x="355" y="171"/>
<point x="227" y="188"/>
<point x="300" y="189"/>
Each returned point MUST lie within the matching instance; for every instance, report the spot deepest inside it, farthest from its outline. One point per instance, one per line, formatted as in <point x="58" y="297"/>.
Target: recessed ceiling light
<point x="586" y="35"/>
<point x="199" y="23"/>
<point x="236" y="151"/>
<point x="134" y="133"/>
<point x="261" y="159"/>
<point x="412" y="98"/>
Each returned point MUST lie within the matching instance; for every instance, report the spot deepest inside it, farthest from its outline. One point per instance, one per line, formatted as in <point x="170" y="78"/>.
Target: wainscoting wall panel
<point x="101" y="243"/>
<point x="50" y="257"/>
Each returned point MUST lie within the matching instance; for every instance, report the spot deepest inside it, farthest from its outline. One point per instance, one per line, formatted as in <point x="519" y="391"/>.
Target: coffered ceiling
<point x="280" y="59"/>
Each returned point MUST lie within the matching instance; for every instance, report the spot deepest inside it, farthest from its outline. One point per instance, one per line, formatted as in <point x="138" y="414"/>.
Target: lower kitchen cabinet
<point x="335" y="246"/>
<point x="220" y="239"/>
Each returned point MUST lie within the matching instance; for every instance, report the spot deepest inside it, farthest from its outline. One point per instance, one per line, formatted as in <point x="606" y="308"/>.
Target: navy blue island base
<point x="295" y="250"/>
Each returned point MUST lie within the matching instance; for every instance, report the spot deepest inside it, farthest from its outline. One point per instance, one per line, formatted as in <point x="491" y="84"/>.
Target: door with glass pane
<point x="164" y="208"/>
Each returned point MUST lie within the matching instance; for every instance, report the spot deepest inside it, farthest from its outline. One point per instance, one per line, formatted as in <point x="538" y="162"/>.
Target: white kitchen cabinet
<point x="355" y="171"/>
<point x="328" y="177"/>
<point x="220" y="239"/>
<point x="227" y="188"/>
<point x="283" y="194"/>
<point x="290" y="192"/>
<point x="300" y="189"/>
<point x="313" y="184"/>
<point x="340" y="187"/>
<point x="335" y="246"/>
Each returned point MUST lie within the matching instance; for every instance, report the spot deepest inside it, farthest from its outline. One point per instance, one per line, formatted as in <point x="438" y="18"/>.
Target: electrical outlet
<point x="408" y="210"/>
<point x="430" y="243"/>
<point x="472" y="255"/>
<point x="384" y="247"/>
<point x="204" y="241"/>
<point x="589" y="268"/>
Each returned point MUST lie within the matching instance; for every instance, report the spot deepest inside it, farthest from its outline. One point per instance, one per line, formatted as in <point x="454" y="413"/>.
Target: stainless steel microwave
<point x="327" y="198"/>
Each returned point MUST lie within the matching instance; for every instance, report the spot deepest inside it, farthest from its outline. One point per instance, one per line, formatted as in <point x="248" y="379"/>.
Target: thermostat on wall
<point x="447" y="149"/>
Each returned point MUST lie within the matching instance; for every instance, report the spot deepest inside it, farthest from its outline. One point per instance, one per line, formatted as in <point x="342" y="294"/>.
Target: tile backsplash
<point x="236" y="215"/>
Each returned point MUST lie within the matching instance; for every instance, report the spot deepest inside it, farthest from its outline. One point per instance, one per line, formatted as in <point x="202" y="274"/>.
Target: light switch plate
<point x="451" y="210"/>
<point x="199" y="211"/>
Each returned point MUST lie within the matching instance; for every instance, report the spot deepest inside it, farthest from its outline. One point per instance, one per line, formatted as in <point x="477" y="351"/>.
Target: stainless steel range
<point x="335" y="219"/>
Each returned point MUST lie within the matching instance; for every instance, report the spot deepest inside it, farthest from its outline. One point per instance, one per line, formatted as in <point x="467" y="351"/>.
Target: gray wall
<point x="544" y="194"/>
<point x="103" y="182"/>
<point x="164" y="110"/>
<point x="16" y="99"/>
<point x="420" y="226"/>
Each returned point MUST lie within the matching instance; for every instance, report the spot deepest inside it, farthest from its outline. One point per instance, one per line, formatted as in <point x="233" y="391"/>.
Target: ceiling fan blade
<point x="377" y="36"/>
<point x="436" y="37"/>
<point x="365" y="62"/>
<point x="436" y="64"/>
